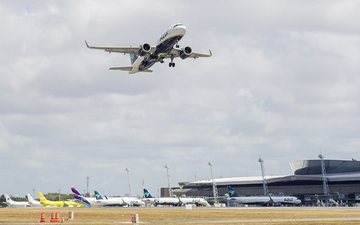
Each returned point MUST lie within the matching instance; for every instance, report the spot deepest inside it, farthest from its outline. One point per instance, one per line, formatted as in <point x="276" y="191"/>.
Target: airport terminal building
<point x="343" y="178"/>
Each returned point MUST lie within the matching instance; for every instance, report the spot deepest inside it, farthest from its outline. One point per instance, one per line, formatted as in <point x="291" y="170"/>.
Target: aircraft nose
<point x="181" y="29"/>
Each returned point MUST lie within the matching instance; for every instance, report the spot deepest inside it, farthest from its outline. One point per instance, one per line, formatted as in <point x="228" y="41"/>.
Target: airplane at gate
<point x="96" y="202"/>
<point x="145" y="56"/>
<point x="48" y="203"/>
<point x="261" y="200"/>
<point x="128" y="201"/>
<point x="14" y="204"/>
<point x="174" y="201"/>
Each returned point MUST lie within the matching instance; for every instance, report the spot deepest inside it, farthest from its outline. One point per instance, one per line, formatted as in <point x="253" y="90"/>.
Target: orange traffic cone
<point x="42" y="217"/>
<point x="52" y="219"/>
<point x="57" y="217"/>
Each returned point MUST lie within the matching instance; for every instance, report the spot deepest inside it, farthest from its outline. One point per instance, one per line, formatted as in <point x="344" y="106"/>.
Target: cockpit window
<point x="176" y="25"/>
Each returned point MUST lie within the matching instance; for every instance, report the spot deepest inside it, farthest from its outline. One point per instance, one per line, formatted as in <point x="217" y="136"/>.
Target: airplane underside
<point x="162" y="50"/>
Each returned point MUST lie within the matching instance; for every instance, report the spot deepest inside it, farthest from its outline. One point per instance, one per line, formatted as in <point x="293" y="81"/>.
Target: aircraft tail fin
<point x="7" y="198"/>
<point x="82" y="199"/>
<point x="133" y="57"/>
<point x="231" y="191"/>
<point x="147" y="194"/>
<point x="98" y="196"/>
<point x="41" y="196"/>
<point x="30" y="198"/>
<point x="73" y="189"/>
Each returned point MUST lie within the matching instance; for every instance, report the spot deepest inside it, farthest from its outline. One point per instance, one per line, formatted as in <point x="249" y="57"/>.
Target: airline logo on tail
<point x="231" y="192"/>
<point x="147" y="194"/>
<point x="98" y="195"/>
<point x="7" y="198"/>
<point x="78" y="196"/>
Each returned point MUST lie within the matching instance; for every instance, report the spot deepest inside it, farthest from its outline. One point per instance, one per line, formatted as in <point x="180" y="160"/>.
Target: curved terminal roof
<point x="308" y="167"/>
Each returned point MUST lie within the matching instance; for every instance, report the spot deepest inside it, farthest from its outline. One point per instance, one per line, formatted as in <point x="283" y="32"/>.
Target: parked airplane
<point x="149" y="199"/>
<point x="33" y="202"/>
<point x="14" y="204"/>
<point x="174" y="201"/>
<point x="93" y="202"/>
<point x="129" y="201"/>
<point x="145" y="56"/>
<point x="48" y="203"/>
<point x="261" y="200"/>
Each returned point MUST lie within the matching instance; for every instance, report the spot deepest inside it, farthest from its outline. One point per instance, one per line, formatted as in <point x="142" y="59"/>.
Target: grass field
<point x="196" y="216"/>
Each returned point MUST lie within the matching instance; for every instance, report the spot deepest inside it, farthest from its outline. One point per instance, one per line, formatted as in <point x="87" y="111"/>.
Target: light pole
<point x="323" y="173"/>
<point x="59" y="193"/>
<point x="265" y="188"/>
<point x="128" y="177"/>
<point x="168" y="180"/>
<point x="215" y="192"/>
<point x="87" y="186"/>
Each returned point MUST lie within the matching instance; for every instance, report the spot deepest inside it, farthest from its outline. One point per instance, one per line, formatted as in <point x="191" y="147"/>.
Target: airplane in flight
<point x="14" y="204"/>
<point x="260" y="200"/>
<point x="174" y="201"/>
<point x="33" y="202"/>
<point x="145" y="56"/>
<point x="48" y="203"/>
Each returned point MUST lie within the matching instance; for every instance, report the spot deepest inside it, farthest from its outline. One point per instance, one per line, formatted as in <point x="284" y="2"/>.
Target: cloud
<point x="282" y="84"/>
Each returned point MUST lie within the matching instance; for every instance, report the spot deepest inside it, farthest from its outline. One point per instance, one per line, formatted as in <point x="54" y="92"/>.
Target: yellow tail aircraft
<point x="48" y="203"/>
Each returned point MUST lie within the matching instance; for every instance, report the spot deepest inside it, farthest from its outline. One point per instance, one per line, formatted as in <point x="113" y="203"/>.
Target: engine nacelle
<point x="144" y="49"/>
<point x="185" y="52"/>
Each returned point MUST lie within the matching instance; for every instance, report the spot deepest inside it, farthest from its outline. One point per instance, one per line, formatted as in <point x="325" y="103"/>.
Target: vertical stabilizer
<point x="30" y="198"/>
<point x="98" y="195"/>
<point x="231" y="192"/>
<point x="147" y="194"/>
<point x="133" y="57"/>
<point x="7" y="198"/>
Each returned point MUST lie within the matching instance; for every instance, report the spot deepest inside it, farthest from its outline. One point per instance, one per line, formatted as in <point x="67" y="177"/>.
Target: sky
<point x="282" y="84"/>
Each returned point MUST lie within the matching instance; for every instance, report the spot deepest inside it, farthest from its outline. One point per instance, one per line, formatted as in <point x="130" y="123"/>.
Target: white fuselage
<point x="163" y="46"/>
<point x="266" y="200"/>
<point x="177" y="201"/>
<point x="115" y="201"/>
<point x="13" y="204"/>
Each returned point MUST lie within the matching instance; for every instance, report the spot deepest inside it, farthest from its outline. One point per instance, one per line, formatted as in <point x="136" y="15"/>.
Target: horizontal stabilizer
<point x="128" y="68"/>
<point x="124" y="68"/>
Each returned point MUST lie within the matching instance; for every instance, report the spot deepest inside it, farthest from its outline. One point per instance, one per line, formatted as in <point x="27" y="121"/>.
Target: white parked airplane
<point x="13" y="204"/>
<point x="261" y="200"/>
<point x="129" y="201"/>
<point x="93" y="202"/>
<point x="33" y="202"/>
<point x="100" y="201"/>
<point x="145" y="56"/>
<point x="174" y="201"/>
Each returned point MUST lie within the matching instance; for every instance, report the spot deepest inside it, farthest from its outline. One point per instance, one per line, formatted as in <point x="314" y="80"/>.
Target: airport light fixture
<point x="215" y="191"/>
<point x="128" y="177"/>
<point x="323" y="173"/>
<point x="265" y="188"/>
<point x="87" y="186"/>
<point x="168" y="180"/>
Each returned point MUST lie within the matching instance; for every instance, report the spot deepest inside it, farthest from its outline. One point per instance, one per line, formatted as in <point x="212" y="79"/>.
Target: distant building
<point x="343" y="177"/>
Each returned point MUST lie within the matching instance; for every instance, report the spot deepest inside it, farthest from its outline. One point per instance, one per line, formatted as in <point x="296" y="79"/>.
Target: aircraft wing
<point x="176" y="53"/>
<point x="124" y="50"/>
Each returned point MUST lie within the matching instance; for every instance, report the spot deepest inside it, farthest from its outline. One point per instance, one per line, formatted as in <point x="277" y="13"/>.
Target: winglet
<point x="87" y="45"/>
<point x="210" y="52"/>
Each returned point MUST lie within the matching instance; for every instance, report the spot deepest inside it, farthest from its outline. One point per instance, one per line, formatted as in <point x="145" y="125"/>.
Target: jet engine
<point x="144" y="49"/>
<point x="185" y="52"/>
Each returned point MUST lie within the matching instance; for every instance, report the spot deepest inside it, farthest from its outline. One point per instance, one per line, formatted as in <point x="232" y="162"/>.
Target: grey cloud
<point x="282" y="84"/>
